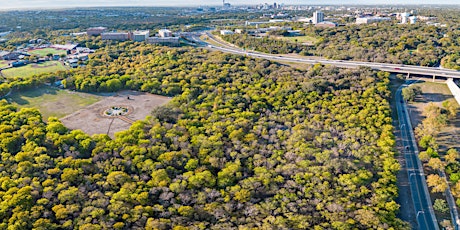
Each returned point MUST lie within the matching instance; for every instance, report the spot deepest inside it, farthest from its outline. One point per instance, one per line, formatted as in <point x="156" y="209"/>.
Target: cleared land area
<point x="308" y="40"/>
<point x="33" y="69"/>
<point x="45" y="51"/>
<point x="93" y="121"/>
<point x="53" y="102"/>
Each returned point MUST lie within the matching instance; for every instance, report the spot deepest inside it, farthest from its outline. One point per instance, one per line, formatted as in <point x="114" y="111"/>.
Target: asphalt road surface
<point x="421" y="199"/>
<point x="394" y="68"/>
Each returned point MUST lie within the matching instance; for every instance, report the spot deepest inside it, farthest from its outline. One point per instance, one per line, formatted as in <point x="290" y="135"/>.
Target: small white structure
<point x="412" y="19"/>
<point x="226" y="32"/>
<point x="404" y="17"/>
<point x="164" y="33"/>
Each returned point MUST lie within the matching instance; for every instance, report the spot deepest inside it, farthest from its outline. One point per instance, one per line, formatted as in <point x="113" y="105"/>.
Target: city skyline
<point x="23" y="4"/>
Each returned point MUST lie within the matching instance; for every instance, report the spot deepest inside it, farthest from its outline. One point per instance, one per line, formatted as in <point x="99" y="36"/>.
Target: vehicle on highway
<point x="397" y="68"/>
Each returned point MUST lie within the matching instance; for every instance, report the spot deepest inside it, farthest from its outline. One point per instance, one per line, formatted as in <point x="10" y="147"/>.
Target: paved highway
<point x="422" y="202"/>
<point x="394" y="68"/>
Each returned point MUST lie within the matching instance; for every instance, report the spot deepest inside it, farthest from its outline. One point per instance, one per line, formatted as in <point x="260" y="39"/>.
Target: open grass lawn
<point x="33" y="69"/>
<point x="53" y="102"/>
<point x="45" y="51"/>
<point x="300" y="39"/>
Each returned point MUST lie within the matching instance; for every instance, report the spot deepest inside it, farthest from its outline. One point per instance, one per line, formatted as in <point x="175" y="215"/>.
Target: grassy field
<point x="300" y="39"/>
<point x="45" y="51"/>
<point x="53" y="102"/>
<point x="33" y="69"/>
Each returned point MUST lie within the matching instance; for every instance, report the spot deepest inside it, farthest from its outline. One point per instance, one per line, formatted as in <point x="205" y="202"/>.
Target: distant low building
<point x="255" y="23"/>
<point x="18" y="63"/>
<point x="15" y="55"/>
<point x="72" y="63"/>
<point x="164" y="33"/>
<point x="117" y="36"/>
<point x="294" y="32"/>
<point x="163" y="40"/>
<point x="95" y="31"/>
<point x="226" y="32"/>
<point x="141" y="36"/>
<point x="3" y="54"/>
<point x="326" y="24"/>
<point x="369" y="20"/>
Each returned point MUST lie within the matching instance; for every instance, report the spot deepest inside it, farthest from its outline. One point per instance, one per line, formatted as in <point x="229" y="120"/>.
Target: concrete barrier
<point x="454" y="89"/>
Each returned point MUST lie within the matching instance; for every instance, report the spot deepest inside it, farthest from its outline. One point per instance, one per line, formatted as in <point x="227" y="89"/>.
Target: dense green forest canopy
<point x="244" y="144"/>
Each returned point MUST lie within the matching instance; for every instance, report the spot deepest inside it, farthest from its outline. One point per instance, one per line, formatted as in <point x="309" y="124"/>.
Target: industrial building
<point x="118" y="36"/>
<point x="95" y="31"/>
<point x="141" y="36"/>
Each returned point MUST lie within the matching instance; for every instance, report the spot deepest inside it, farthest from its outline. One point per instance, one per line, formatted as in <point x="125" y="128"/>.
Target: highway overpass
<point x="393" y="68"/>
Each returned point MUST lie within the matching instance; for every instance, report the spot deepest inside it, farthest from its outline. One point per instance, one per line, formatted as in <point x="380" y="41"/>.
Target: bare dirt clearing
<point x="93" y="121"/>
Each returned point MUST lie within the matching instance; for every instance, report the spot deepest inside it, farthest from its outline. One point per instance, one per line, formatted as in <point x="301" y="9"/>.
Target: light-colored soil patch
<point x="436" y="93"/>
<point x="52" y="101"/>
<point x="92" y="121"/>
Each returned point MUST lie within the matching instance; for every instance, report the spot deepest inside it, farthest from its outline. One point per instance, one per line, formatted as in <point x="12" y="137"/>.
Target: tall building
<point x="164" y="33"/>
<point x="404" y="17"/>
<point x="318" y="17"/>
<point x="141" y="36"/>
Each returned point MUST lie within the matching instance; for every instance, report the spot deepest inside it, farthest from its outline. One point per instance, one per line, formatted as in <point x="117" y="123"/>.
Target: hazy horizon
<point x="24" y="4"/>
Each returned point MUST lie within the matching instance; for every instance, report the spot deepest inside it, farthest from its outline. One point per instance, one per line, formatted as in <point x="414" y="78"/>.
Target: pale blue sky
<point x="8" y="4"/>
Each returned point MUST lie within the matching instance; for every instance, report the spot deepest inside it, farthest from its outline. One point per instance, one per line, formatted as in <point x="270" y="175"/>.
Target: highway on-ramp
<point x="420" y="196"/>
<point x="394" y="68"/>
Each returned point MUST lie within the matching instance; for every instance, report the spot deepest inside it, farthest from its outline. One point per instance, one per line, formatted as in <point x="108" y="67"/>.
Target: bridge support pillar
<point x="434" y="77"/>
<point x="408" y="76"/>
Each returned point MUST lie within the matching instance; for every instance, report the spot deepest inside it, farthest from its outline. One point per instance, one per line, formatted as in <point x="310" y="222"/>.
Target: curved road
<point x="394" y="68"/>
